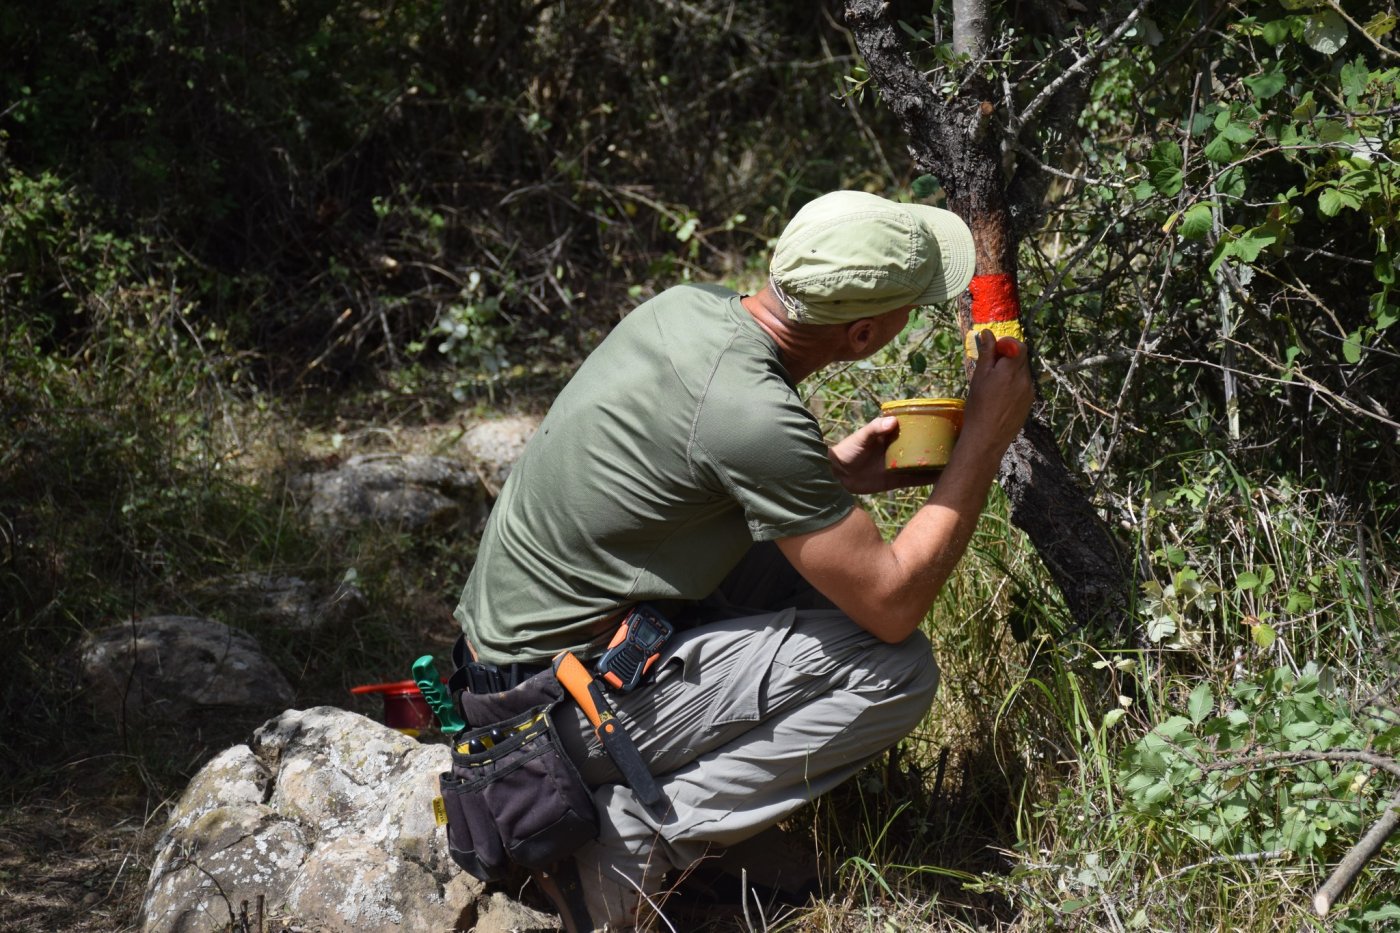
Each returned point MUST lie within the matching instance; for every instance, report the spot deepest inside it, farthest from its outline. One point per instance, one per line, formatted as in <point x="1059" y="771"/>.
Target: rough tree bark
<point x="962" y="141"/>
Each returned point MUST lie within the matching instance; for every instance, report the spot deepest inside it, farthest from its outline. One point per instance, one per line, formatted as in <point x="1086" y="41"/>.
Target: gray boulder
<point x="500" y="914"/>
<point x="408" y="492"/>
<point x="494" y="446"/>
<point x="328" y="817"/>
<point x="288" y="602"/>
<point x="168" y="667"/>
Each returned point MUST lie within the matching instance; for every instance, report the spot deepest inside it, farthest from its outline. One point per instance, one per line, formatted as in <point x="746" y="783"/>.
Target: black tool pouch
<point x="521" y="799"/>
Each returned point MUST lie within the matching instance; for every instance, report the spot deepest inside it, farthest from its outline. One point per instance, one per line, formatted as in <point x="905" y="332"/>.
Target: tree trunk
<point x="954" y="140"/>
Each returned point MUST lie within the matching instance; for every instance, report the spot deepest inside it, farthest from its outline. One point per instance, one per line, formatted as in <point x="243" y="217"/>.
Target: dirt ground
<point x="78" y="828"/>
<point x="74" y="865"/>
<point x="70" y="867"/>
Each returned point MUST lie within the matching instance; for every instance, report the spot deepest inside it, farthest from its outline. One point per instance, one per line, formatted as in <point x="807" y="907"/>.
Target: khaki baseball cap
<point x="849" y="255"/>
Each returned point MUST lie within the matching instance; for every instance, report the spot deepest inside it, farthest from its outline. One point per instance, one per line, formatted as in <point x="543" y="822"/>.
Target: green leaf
<point x="1157" y="793"/>
<point x="1196" y="222"/>
<point x="1160" y="627"/>
<point x="1165" y="153"/>
<point x="1275" y="32"/>
<point x="1147" y="31"/>
<point x="1246" y="581"/>
<point x="1237" y="132"/>
<point x="1325" y="32"/>
<point x="1355" y="76"/>
<point x="1173" y="727"/>
<point x="1248" y="245"/>
<point x="1201" y="703"/>
<point x="1111" y="718"/>
<point x="1266" y="85"/>
<point x="1164" y="168"/>
<point x="1351" y="347"/>
<point x="1231" y="181"/>
<point x="1205" y="118"/>
<point x="1264" y="635"/>
<point x="1331" y="131"/>
<point x="1301" y="730"/>
<point x="1219" y="149"/>
<point x="1379" y="25"/>
<point x="1331" y="201"/>
<point x="926" y="186"/>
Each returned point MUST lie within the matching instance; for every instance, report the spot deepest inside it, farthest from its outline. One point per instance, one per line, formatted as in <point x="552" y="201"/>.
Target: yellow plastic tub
<point x="928" y="429"/>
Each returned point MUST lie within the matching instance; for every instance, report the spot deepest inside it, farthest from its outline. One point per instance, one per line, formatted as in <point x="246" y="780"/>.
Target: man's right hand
<point x="999" y="398"/>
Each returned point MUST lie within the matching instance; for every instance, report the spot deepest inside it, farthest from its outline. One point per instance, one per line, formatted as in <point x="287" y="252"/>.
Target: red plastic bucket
<point x="404" y="706"/>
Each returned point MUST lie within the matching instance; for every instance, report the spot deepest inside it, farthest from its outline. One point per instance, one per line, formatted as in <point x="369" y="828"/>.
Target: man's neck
<point x="802" y="350"/>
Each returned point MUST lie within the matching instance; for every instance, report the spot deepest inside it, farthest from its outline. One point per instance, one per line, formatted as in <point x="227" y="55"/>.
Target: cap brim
<point x="956" y="252"/>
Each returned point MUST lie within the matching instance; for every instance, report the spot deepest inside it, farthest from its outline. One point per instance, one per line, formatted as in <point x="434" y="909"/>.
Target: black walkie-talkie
<point x="634" y="649"/>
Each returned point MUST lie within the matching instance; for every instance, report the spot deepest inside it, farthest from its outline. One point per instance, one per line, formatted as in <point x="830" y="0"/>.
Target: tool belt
<point x="479" y="678"/>
<point x="513" y="794"/>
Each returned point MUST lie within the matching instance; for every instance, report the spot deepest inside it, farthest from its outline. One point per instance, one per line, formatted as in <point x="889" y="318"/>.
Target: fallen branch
<point x="1367" y="846"/>
<point x="1351" y="864"/>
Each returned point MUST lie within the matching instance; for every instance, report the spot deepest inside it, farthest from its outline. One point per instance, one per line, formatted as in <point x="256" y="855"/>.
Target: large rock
<point x="500" y="914"/>
<point x="494" y="446"/>
<point x="328" y="816"/>
<point x="288" y="602"/>
<point x="168" y="667"/>
<point x="408" y="492"/>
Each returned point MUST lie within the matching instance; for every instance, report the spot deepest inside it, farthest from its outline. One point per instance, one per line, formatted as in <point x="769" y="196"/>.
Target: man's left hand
<point x="859" y="460"/>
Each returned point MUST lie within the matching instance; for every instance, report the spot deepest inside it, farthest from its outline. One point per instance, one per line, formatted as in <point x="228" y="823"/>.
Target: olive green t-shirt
<point x="680" y="441"/>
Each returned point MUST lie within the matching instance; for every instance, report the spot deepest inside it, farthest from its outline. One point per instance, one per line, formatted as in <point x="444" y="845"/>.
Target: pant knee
<point x="907" y="676"/>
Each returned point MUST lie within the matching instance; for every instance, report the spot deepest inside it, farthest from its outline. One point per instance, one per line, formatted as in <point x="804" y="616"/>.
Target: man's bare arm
<point x="888" y="587"/>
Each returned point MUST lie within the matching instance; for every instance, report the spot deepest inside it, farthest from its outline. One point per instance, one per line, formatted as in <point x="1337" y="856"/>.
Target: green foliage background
<point x="228" y="228"/>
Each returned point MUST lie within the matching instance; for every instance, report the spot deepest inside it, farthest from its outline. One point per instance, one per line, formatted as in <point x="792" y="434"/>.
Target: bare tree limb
<point x="1078" y="65"/>
<point x="1351" y="864"/>
<point x="1282" y="759"/>
<point x="970" y="27"/>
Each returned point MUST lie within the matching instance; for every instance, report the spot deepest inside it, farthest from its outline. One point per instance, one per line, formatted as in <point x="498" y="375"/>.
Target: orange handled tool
<point x="589" y="696"/>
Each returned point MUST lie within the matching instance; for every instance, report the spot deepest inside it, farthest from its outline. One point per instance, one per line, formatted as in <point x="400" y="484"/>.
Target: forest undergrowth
<point x="237" y="247"/>
<point x="1225" y="758"/>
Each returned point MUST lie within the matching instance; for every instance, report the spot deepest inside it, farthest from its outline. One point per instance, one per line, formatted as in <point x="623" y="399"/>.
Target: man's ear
<point x="859" y="335"/>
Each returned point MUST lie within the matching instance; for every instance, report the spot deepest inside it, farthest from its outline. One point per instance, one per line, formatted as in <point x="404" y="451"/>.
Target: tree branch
<point x="1280" y="759"/>
<point x="949" y="138"/>
<point x="1079" y="64"/>
<point x="1351" y="864"/>
<point x="970" y="28"/>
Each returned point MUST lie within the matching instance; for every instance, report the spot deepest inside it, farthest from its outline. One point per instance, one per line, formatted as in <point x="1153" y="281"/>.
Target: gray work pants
<point x="770" y="700"/>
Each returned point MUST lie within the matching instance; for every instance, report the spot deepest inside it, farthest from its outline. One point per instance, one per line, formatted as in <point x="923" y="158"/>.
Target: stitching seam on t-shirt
<point x="691" y="442"/>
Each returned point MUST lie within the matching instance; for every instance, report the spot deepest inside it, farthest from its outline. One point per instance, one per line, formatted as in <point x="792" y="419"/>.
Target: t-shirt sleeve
<point x="770" y="458"/>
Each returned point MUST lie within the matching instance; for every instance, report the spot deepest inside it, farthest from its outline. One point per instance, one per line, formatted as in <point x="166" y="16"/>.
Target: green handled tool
<point x="430" y="685"/>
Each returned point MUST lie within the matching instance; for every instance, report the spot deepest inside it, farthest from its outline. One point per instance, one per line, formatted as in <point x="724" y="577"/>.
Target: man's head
<point x="850" y="255"/>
